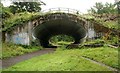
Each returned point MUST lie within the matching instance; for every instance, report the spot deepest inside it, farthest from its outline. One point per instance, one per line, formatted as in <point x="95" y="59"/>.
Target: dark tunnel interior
<point x="50" y="28"/>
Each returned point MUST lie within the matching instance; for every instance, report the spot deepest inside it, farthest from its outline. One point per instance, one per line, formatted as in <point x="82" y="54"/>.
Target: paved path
<point x="12" y="61"/>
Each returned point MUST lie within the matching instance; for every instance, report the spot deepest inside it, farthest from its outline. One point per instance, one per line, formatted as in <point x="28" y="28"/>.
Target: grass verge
<point x="11" y="50"/>
<point x="70" y="60"/>
<point x="106" y="55"/>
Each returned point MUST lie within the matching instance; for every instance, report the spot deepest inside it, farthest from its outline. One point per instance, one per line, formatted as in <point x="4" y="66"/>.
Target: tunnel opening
<point x="61" y="40"/>
<point x="57" y="26"/>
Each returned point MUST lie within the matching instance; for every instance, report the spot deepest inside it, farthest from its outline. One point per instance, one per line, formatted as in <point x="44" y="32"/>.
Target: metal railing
<point x="62" y="10"/>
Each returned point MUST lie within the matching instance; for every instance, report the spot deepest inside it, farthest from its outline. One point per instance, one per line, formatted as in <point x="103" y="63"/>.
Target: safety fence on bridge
<point x="65" y="10"/>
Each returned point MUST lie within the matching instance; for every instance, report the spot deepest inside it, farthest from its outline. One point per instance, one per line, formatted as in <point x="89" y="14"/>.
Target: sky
<point x="81" y="5"/>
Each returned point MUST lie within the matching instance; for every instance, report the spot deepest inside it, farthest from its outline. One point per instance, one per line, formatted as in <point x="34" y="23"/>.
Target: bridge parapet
<point x="62" y="16"/>
<point x="61" y="13"/>
<point x="62" y="10"/>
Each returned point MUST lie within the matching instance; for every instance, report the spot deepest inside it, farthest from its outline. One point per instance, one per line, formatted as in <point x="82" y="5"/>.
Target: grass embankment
<point x="11" y="50"/>
<point x="71" y="60"/>
<point x="106" y="55"/>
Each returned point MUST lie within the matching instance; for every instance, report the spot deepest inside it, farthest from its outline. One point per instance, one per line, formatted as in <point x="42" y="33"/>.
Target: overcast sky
<point x="81" y="5"/>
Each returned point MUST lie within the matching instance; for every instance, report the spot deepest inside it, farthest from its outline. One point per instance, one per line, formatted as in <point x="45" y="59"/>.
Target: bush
<point x="97" y="41"/>
<point x="11" y="50"/>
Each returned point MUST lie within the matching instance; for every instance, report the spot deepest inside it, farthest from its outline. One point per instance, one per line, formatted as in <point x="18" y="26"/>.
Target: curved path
<point x="12" y="61"/>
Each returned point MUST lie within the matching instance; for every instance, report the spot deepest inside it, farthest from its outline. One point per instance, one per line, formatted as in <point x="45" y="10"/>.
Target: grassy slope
<point x="106" y="55"/>
<point x="70" y="60"/>
<point x="11" y="50"/>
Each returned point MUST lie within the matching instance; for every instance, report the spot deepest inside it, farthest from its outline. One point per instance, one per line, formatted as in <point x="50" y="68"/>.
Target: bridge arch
<point x="60" y="23"/>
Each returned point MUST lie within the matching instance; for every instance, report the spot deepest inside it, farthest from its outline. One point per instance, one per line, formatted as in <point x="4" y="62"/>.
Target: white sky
<point x="81" y="5"/>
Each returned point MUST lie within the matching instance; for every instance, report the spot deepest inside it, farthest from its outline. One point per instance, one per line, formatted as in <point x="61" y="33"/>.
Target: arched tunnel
<point x="61" y="24"/>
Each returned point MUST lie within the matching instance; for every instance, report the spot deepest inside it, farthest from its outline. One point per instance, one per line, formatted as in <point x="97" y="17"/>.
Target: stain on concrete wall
<point x="20" y="35"/>
<point x="21" y="38"/>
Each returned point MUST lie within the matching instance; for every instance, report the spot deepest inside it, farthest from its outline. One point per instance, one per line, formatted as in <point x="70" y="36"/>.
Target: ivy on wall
<point x="109" y="22"/>
<point x="18" y="19"/>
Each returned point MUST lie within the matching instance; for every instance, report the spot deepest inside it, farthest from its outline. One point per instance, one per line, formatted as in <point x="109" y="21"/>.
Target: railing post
<point x="49" y="10"/>
<point x="59" y="9"/>
<point x="77" y="12"/>
<point x="68" y="10"/>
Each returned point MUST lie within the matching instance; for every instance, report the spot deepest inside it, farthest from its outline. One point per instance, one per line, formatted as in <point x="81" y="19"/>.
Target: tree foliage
<point x="62" y="37"/>
<point x="4" y="12"/>
<point x="118" y="6"/>
<point x="26" y="6"/>
<point x="100" y="8"/>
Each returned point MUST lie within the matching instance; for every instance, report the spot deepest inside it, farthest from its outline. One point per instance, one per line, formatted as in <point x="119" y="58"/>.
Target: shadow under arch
<point x="57" y="26"/>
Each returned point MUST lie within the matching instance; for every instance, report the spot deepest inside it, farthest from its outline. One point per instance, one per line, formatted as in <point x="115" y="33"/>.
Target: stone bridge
<point x="59" y="23"/>
<point x="53" y="22"/>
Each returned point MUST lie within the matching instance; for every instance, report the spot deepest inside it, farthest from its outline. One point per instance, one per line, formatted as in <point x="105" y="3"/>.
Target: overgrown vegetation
<point x="18" y="19"/>
<point x="18" y="13"/>
<point x="11" y="50"/>
<point x="61" y="40"/>
<point x="106" y="55"/>
<point x="71" y="60"/>
<point x="113" y="40"/>
<point x="107" y="14"/>
<point x="107" y="8"/>
<point x="97" y="41"/>
<point x="62" y="58"/>
<point x="17" y="7"/>
<point x="103" y="19"/>
<point x="4" y="12"/>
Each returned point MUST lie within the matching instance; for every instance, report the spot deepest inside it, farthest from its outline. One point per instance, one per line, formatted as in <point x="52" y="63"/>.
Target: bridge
<point x="59" y="22"/>
<point x="53" y="22"/>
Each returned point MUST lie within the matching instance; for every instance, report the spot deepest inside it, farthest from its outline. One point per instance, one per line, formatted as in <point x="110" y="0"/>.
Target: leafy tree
<point x="100" y="8"/>
<point x="4" y="12"/>
<point x="1" y="4"/>
<point x="118" y="6"/>
<point x="26" y="6"/>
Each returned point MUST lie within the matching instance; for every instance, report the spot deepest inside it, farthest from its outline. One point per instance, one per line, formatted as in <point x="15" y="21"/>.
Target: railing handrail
<point x="60" y="9"/>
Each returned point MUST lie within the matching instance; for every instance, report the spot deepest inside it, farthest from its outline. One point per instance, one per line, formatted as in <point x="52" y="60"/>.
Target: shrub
<point x="11" y="50"/>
